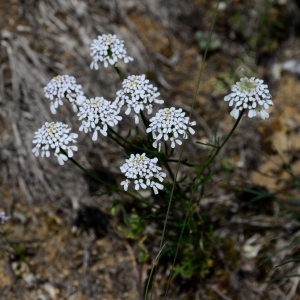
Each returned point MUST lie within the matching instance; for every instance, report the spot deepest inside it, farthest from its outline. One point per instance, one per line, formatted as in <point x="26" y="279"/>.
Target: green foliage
<point x="134" y="231"/>
<point x="194" y="260"/>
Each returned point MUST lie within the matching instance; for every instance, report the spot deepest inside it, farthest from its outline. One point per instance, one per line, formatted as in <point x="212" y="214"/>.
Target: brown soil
<point x="62" y="243"/>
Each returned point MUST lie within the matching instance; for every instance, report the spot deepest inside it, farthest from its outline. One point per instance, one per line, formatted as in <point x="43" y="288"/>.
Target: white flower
<point x="108" y="49"/>
<point x="126" y="184"/>
<point x="250" y="94"/>
<point x="97" y="114"/>
<point x="143" y="171"/>
<point x="137" y="94"/>
<point x="3" y="218"/>
<point x="63" y="86"/>
<point x="55" y="136"/>
<point x="170" y="124"/>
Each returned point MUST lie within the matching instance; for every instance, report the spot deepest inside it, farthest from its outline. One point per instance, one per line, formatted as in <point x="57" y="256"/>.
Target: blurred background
<point x="66" y="244"/>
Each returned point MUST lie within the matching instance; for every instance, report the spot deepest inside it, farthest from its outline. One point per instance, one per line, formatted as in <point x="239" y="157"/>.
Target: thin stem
<point x="89" y="173"/>
<point x="119" y="72"/>
<point x="168" y="168"/>
<point x="117" y="141"/>
<point x="145" y="121"/>
<point x="112" y="187"/>
<point x="182" y="148"/>
<point x="131" y="144"/>
<point x="119" y="136"/>
<point x="210" y="160"/>
<point x="192" y="107"/>
<point x="149" y="281"/>
<point x="181" y="162"/>
<point x="151" y="272"/>
<point x="178" y="244"/>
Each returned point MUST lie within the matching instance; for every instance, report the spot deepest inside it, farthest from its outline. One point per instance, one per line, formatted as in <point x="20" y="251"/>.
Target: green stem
<point x="151" y="272"/>
<point x="181" y="162"/>
<point x="117" y="141"/>
<point x="145" y="121"/>
<point x="119" y="72"/>
<point x="88" y="172"/>
<point x="218" y="148"/>
<point x="119" y="136"/>
<point x="112" y="187"/>
<point x="182" y="148"/>
<point x="131" y="144"/>
<point x="168" y="168"/>
<point x="210" y="160"/>
<point x="149" y="281"/>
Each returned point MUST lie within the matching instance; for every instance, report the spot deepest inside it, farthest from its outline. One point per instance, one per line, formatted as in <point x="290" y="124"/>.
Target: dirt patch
<point x="66" y="244"/>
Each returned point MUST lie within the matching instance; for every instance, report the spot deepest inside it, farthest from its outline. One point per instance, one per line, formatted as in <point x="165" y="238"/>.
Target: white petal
<point x="136" y="119"/>
<point x="95" y="136"/>
<point x="70" y="153"/>
<point x="191" y="130"/>
<point x="61" y="159"/>
<point x="235" y="113"/>
<point x="155" y="190"/>
<point x="252" y="113"/>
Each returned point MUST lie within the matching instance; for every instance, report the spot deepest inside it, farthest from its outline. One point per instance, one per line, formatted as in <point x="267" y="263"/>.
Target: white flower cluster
<point x="63" y="86"/>
<point x="108" y="49"/>
<point x="137" y="94"/>
<point x="143" y="171"/>
<point x="97" y="114"/>
<point x="169" y="124"/>
<point x="54" y="136"/>
<point x="3" y="218"/>
<point x="250" y="94"/>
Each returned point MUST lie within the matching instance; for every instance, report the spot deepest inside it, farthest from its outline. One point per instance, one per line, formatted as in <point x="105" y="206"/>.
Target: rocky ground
<point x="62" y="243"/>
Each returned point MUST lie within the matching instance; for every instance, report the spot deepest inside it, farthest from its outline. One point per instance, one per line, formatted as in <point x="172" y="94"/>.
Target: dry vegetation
<point x="67" y="245"/>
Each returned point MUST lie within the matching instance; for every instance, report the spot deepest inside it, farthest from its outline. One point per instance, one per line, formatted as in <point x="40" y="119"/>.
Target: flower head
<point x="3" y="218"/>
<point x="60" y="87"/>
<point x="97" y="114"/>
<point x="170" y="124"/>
<point x="108" y="49"/>
<point x="137" y="94"/>
<point x="250" y="94"/>
<point x="143" y="171"/>
<point x="55" y="136"/>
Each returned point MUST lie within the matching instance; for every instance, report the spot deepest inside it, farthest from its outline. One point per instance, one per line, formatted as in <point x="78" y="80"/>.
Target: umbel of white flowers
<point x="170" y="124"/>
<point x="53" y="137"/>
<point x="137" y="94"/>
<point x="143" y="171"/>
<point x="108" y="49"/>
<point x="63" y="87"/>
<point x="250" y="94"/>
<point x="96" y="114"/>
